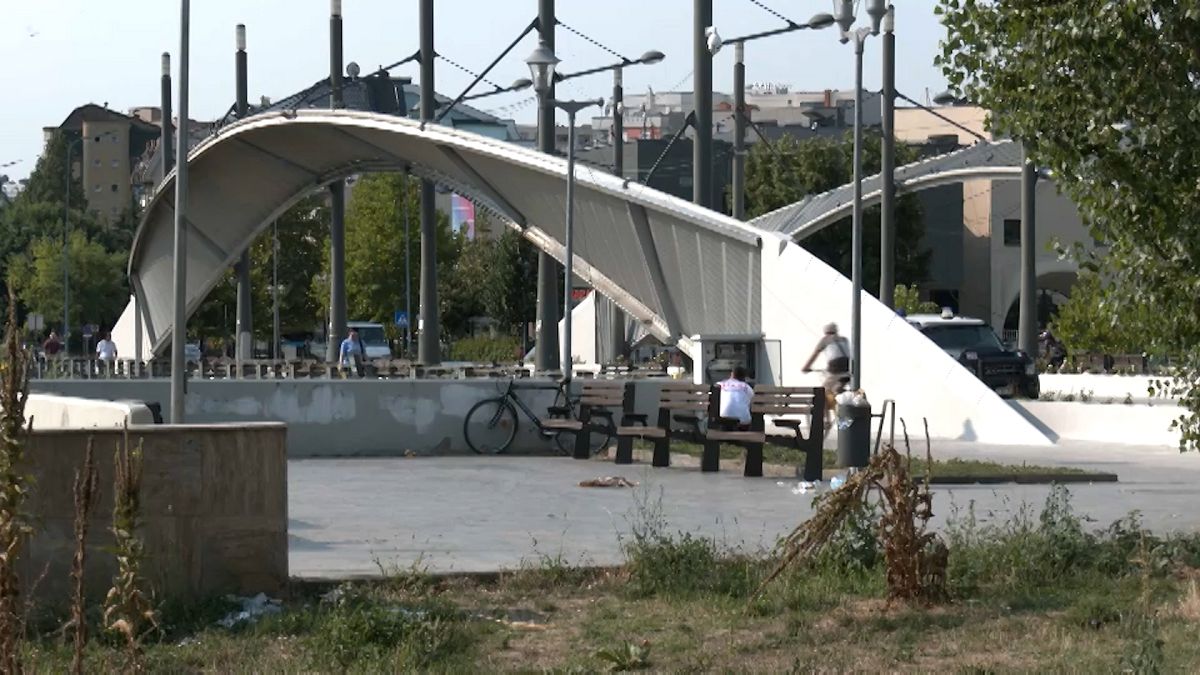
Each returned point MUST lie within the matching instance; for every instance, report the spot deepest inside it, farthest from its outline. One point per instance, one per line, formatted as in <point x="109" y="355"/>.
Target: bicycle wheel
<point x="597" y="440"/>
<point x="490" y="426"/>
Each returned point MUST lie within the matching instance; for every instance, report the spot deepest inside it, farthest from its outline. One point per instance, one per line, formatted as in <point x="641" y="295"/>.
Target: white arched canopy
<point x="678" y="268"/>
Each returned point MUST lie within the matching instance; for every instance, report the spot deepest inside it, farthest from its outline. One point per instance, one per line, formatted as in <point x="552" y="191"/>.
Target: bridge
<point x="688" y="274"/>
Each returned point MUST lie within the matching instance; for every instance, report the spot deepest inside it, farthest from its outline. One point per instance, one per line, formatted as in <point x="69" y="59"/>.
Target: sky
<point x="59" y="54"/>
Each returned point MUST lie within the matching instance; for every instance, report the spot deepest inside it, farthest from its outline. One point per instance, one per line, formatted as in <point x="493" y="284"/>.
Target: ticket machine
<point x="720" y="354"/>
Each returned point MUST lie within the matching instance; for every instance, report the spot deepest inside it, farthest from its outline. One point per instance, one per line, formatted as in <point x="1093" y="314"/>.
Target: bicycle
<point x="831" y="397"/>
<point x="491" y="424"/>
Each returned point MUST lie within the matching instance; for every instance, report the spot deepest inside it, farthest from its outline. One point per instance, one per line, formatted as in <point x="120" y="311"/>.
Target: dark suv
<point x="975" y="345"/>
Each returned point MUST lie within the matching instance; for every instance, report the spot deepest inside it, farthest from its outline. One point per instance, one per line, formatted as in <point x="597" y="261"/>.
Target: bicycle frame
<point x="510" y="395"/>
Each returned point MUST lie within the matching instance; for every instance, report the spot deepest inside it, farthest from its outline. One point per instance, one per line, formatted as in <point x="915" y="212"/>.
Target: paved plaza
<point x="354" y="517"/>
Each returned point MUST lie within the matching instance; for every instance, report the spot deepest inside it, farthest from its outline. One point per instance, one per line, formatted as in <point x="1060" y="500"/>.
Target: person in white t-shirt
<point x="735" y="397"/>
<point x="106" y="349"/>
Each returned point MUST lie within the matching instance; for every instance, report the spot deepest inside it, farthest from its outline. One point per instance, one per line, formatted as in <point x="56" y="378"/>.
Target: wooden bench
<point x="788" y="406"/>
<point x="679" y="403"/>
<point x="597" y="399"/>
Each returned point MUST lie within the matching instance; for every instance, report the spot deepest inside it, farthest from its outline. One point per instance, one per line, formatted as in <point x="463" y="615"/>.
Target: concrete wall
<point x="340" y="417"/>
<point x="214" y="502"/>
<point x="800" y="294"/>
<point x="1114" y="423"/>
<point x="63" y="412"/>
<point x="1102" y="388"/>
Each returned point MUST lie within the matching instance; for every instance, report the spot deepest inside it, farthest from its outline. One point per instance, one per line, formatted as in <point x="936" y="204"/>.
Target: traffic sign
<point x="401" y="318"/>
<point x="89" y="329"/>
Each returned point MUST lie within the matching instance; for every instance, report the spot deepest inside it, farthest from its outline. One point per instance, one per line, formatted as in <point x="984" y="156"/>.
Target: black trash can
<point x="854" y="435"/>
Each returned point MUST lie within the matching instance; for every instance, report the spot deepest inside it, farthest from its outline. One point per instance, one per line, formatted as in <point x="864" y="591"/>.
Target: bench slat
<point x="556" y="423"/>
<point x="775" y="389"/>
<point x="684" y="405"/>
<point x="601" y="400"/>
<point x="642" y="432"/>
<point x="768" y="409"/>
<point x="745" y="436"/>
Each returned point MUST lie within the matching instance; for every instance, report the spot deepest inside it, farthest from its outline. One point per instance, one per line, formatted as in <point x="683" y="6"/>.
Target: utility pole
<point x="429" y="351"/>
<point x="702" y="96"/>
<point x="179" y="273"/>
<point x="337" y="202"/>
<point x="856" y="255"/>
<point x="887" y="223"/>
<point x="739" y="131"/>
<point x="547" y="293"/>
<point x="1027" y="317"/>
<point x="245" y="331"/>
<point x="165" y="124"/>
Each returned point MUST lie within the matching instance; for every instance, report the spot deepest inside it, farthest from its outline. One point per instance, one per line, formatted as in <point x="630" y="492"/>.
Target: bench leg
<point x="711" y="459"/>
<point x="754" y="461"/>
<point x="662" y="452"/>
<point x="814" y="457"/>
<point x="624" y="450"/>
<point x="582" y="439"/>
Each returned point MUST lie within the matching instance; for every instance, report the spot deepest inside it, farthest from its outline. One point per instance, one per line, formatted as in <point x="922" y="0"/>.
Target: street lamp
<point x="542" y="63"/>
<point x="877" y="10"/>
<point x="817" y="22"/>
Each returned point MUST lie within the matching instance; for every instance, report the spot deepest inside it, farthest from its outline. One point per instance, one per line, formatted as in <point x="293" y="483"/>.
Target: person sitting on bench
<point x="735" y="401"/>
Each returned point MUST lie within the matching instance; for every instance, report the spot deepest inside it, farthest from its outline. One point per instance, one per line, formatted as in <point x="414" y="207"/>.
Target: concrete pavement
<point x="352" y="517"/>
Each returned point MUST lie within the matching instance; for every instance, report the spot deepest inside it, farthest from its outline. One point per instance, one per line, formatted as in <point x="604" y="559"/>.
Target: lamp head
<point x="241" y="37"/>
<point x="822" y="20"/>
<point x="945" y="98"/>
<point x="352" y="70"/>
<point x="335" y="8"/>
<point x="521" y="83"/>
<point x="542" y="63"/>
<point x="889" y="20"/>
<point x="844" y="17"/>
<point x="876" y="9"/>
<point x="652" y="57"/>
<point x="714" y="40"/>
<point x="166" y="64"/>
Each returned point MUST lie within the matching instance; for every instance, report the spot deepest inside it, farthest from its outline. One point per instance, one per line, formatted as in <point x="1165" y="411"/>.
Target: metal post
<point x="408" y="315"/>
<point x="1027" y="333"/>
<point x="739" y="131"/>
<point x="547" y="293"/>
<point x="429" y="350"/>
<point x="568" y="252"/>
<point x="179" y="325"/>
<point x="702" y="95"/>
<point x="337" y="202"/>
<point x="856" y="254"/>
<point x="168" y="154"/>
<point x="887" y="223"/>
<point x="245" y="330"/>
<point x="275" y="290"/>
<point x="616" y="316"/>
<point x="66" y="247"/>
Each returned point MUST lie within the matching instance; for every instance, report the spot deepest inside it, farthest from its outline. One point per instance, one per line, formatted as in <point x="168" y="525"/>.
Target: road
<point x="356" y="517"/>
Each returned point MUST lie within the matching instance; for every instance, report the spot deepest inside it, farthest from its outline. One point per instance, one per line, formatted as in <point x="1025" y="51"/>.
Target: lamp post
<point x="245" y="331"/>
<point x="817" y="22"/>
<point x="542" y="64"/>
<point x="845" y="19"/>
<point x="179" y="275"/>
<point x="887" y="156"/>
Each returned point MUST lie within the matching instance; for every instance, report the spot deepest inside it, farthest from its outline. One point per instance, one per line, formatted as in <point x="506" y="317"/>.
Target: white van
<point x="374" y="340"/>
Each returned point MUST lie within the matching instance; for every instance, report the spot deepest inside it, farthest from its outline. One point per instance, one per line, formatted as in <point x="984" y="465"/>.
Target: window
<point x="95" y="162"/>
<point x="96" y="188"/>
<point x="1012" y="232"/>
<point x="116" y="163"/>
<point x="114" y="187"/>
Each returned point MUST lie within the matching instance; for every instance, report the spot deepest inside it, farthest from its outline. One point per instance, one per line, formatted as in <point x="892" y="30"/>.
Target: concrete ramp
<point x="800" y="294"/>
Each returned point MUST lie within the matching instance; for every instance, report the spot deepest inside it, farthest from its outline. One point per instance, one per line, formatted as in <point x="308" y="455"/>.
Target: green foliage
<point x="1091" y="322"/>
<point x="908" y="298"/>
<point x="510" y="293"/>
<point x="98" y="288"/>
<point x="1104" y="96"/>
<point x="800" y="168"/>
<point x="485" y="349"/>
<point x="628" y="656"/>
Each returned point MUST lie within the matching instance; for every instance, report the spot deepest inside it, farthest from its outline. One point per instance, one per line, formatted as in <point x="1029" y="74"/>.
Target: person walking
<point x="106" y="352"/>
<point x="352" y="354"/>
<point x="52" y="346"/>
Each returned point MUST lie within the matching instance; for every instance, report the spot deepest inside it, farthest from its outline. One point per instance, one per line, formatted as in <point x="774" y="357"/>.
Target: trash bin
<point x="854" y="435"/>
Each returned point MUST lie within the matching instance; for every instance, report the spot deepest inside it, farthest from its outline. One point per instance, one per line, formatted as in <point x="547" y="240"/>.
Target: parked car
<point x="975" y="345"/>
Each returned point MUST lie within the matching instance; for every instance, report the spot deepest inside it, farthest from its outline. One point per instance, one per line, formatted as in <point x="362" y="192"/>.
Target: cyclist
<point x="836" y="350"/>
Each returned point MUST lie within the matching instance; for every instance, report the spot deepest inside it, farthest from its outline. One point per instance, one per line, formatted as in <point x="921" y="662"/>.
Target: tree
<point x="797" y="169"/>
<point x="510" y="295"/>
<point x="98" y="289"/>
<point x="1104" y="95"/>
<point x="908" y="299"/>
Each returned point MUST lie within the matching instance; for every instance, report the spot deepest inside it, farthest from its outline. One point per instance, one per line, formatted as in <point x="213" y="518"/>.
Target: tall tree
<point x="510" y="295"/>
<point x="98" y="288"/>
<point x="1104" y="95"/>
<point x="796" y="169"/>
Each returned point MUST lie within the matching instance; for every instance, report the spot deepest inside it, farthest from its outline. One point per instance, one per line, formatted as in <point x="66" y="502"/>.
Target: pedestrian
<point x="836" y="350"/>
<point x="106" y="352"/>
<point x="352" y="353"/>
<point x="735" y="399"/>
<point x="52" y="346"/>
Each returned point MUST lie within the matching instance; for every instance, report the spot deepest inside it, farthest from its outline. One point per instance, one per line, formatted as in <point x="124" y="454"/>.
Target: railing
<point x="266" y="369"/>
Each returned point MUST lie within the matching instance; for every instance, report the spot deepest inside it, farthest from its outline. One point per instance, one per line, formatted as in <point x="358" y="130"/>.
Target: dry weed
<point x="14" y="487"/>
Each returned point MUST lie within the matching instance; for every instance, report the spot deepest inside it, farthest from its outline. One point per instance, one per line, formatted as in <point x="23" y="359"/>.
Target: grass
<point x="1039" y="592"/>
<point x="958" y="468"/>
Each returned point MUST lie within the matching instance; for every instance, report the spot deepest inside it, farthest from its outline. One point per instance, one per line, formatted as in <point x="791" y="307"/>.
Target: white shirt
<point x="735" y="400"/>
<point x="836" y="346"/>
<point x="106" y="350"/>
